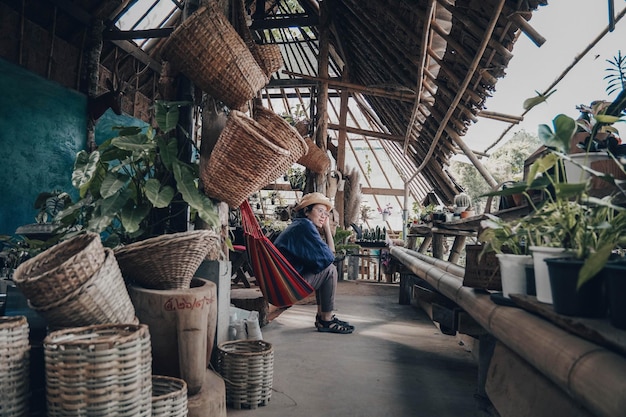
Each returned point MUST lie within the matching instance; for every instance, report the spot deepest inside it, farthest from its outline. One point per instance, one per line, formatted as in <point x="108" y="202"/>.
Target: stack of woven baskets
<point x="76" y="283"/>
<point x="98" y="358"/>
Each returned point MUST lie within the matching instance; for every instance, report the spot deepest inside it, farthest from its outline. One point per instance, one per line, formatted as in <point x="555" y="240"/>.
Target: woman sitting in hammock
<point x="311" y="253"/>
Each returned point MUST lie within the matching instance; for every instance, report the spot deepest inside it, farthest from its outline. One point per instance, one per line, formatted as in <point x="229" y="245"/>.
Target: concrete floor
<point x="396" y="363"/>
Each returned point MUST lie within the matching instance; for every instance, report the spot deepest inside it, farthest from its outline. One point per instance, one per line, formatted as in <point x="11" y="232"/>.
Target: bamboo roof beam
<point x="472" y="69"/>
<point x="425" y="42"/>
<point x="375" y="91"/>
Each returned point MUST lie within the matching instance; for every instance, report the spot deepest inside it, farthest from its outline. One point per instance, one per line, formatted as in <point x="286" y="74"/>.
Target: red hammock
<point x="280" y="282"/>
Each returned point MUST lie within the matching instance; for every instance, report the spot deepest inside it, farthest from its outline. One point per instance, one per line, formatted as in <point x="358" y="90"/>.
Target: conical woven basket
<point x="315" y="159"/>
<point x="102" y="299"/>
<point x="168" y="261"/>
<point x="210" y="52"/>
<point x="246" y="157"/>
<point x="60" y="270"/>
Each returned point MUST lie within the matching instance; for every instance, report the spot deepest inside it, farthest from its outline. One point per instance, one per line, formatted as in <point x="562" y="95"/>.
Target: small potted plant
<point x="385" y="211"/>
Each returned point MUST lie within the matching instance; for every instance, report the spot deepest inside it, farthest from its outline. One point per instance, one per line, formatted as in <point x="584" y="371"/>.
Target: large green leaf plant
<point x="127" y="186"/>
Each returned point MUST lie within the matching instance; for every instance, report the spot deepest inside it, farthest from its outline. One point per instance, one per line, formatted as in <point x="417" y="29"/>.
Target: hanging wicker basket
<point x="169" y="397"/>
<point x="102" y="299"/>
<point x="168" y="261"/>
<point x="284" y="135"/>
<point x="103" y="370"/>
<point x="268" y="56"/>
<point x="247" y="367"/>
<point x="246" y="157"/>
<point x="210" y="52"/>
<point x="315" y="159"/>
<point x="14" y="366"/>
<point x="60" y="270"/>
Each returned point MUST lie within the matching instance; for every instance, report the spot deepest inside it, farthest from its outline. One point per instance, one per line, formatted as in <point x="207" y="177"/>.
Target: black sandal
<point x="318" y="319"/>
<point x="334" y="326"/>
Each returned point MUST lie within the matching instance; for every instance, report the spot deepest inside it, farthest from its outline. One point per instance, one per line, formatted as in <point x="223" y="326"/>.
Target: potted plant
<point x="127" y="186"/>
<point x="510" y="241"/>
<point x="385" y="211"/>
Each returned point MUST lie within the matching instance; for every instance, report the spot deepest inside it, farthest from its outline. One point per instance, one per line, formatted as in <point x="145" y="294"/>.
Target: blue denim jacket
<point x="303" y="247"/>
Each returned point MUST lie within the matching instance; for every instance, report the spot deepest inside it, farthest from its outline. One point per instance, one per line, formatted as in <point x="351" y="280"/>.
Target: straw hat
<point x="313" y="198"/>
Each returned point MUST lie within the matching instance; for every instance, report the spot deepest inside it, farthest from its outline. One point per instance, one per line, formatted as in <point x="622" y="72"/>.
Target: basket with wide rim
<point x="243" y="160"/>
<point x="247" y="367"/>
<point x="61" y="269"/>
<point x="210" y="52"/>
<point x="102" y="299"/>
<point x="14" y="366"/>
<point x="315" y="159"/>
<point x="99" y="370"/>
<point x="168" y="261"/>
<point x="284" y="135"/>
<point x="169" y="396"/>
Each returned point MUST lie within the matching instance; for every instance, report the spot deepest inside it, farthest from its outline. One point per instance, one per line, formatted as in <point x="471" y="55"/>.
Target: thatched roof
<point x="417" y="72"/>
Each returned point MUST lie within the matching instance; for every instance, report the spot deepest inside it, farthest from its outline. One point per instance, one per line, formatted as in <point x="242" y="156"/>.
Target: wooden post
<point x="457" y="247"/>
<point x="321" y="128"/>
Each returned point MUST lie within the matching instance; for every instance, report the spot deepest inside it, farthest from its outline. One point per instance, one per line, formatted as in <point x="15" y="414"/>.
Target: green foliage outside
<point x="506" y="163"/>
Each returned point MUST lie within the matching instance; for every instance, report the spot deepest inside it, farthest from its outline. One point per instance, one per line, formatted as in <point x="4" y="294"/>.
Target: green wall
<point x="42" y="126"/>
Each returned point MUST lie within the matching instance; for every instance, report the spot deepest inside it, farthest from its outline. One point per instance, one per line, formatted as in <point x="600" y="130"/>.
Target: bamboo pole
<point x="591" y="375"/>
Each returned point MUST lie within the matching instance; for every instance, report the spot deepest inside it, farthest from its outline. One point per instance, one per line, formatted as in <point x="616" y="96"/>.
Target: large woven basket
<point x="315" y="159"/>
<point x="284" y="135"/>
<point x="102" y="299"/>
<point x="168" y="261"/>
<point x="102" y="370"/>
<point x="481" y="271"/>
<point x="60" y="270"/>
<point x="244" y="159"/>
<point x="169" y="396"/>
<point x="14" y="366"/>
<point x="210" y="52"/>
<point x="247" y="367"/>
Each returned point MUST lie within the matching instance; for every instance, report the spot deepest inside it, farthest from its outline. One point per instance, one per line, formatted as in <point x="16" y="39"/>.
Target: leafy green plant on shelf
<point x="127" y="186"/>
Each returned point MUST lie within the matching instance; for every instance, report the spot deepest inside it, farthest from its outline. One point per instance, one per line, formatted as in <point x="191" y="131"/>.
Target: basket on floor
<point x="210" y="52"/>
<point x="283" y="134"/>
<point x="169" y="261"/>
<point x="247" y="367"/>
<point x="14" y="366"/>
<point x="169" y="396"/>
<point x="102" y="299"/>
<point x="244" y="159"/>
<point x="101" y="370"/>
<point x="481" y="271"/>
<point x="315" y="159"/>
<point x="60" y="270"/>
